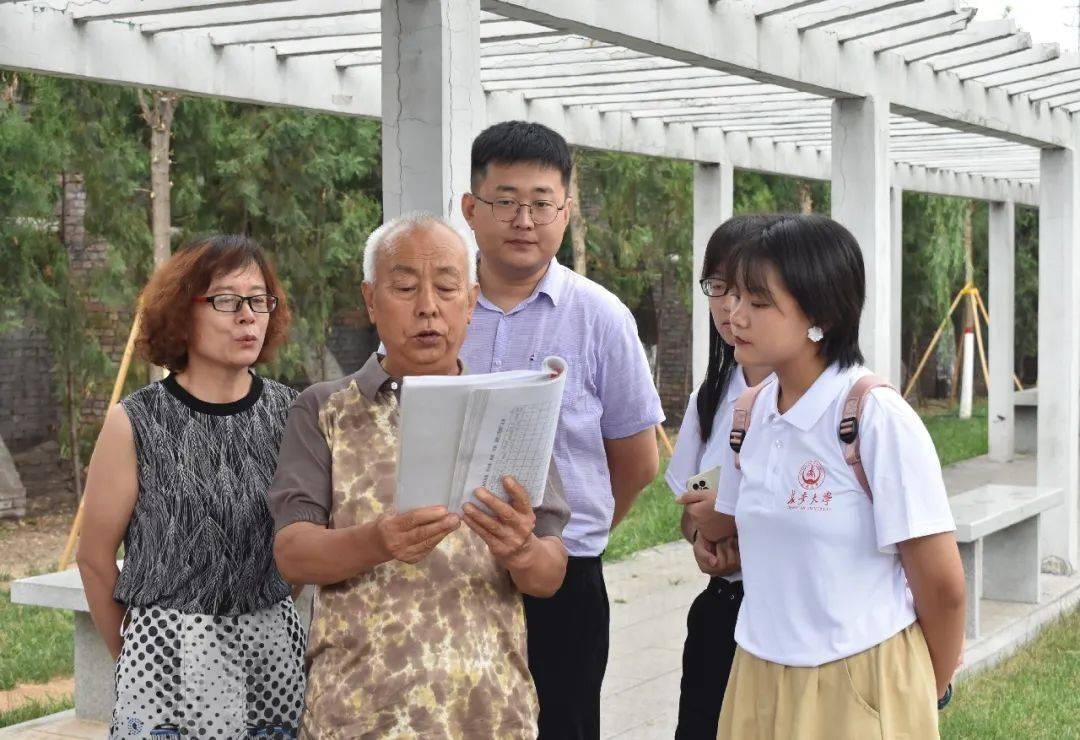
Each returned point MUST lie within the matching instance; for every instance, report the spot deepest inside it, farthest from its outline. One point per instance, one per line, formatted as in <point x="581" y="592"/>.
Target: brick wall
<point x="352" y="339"/>
<point x="27" y="407"/>
<point x="108" y="326"/>
<point x="673" y="344"/>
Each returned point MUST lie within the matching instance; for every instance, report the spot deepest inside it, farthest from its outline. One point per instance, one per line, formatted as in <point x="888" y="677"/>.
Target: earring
<point x="815" y="334"/>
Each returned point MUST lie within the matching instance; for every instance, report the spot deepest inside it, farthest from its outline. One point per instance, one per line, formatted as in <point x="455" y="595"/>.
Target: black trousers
<point x="568" y="651"/>
<point x="707" y="657"/>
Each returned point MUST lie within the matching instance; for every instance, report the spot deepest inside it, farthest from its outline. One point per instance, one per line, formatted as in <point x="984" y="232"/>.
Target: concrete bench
<point x="1026" y="415"/>
<point x="95" y="690"/>
<point x="997" y="529"/>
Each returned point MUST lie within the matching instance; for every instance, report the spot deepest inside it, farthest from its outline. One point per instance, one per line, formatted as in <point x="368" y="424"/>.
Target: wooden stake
<point x="979" y="339"/>
<point x="665" y="440"/>
<point x="118" y="387"/>
<point x="986" y="315"/>
<point x="933" y="343"/>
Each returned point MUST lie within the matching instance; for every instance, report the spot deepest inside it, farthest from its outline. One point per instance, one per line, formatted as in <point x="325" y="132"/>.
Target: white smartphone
<point x="704" y="481"/>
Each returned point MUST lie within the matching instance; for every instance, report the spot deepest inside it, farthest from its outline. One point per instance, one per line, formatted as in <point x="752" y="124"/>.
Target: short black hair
<point x="722" y="364"/>
<point x="822" y="267"/>
<point x="511" y="142"/>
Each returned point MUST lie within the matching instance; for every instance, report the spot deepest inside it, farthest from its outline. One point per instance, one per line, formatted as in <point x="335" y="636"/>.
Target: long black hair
<point x="722" y="355"/>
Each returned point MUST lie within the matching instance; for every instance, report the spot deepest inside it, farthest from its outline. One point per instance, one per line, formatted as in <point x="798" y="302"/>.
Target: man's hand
<point x="410" y="537"/>
<point x="509" y="533"/>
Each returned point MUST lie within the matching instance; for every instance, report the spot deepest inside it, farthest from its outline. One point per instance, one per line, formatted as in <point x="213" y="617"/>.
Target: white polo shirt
<point x="691" y="455"/>
<point x="821" y="570"/>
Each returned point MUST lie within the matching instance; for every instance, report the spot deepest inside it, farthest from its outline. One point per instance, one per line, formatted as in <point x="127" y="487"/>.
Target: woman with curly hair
<point x="207" y="641"/>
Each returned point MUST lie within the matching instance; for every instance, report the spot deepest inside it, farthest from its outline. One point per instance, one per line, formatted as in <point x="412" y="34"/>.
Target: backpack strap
<point x="740" y="419"/>
<point x="849" y="425"/>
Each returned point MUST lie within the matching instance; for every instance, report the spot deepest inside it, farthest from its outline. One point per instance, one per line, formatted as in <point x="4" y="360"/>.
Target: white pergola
<point x="877" y="96"/>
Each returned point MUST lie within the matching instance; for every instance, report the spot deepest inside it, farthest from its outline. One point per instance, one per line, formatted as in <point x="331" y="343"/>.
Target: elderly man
<point x="418" y="628"/>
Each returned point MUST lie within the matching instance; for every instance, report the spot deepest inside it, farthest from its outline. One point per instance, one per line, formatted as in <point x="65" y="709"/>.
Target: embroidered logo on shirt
<point x="811" y="477"/>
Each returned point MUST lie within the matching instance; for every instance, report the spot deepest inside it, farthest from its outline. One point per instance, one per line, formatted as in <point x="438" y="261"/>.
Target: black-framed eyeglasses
<point x="542" y="212"/>
<point x="714" y="287"/>
<point x="231" y="303"/>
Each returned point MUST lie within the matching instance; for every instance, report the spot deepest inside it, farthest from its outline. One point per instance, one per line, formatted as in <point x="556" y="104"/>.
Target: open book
<point x="461" y="432"/>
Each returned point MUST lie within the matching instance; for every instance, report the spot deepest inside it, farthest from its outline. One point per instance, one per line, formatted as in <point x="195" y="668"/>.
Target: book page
<point x="515" y="436"/>
<point x="461" y="432"/>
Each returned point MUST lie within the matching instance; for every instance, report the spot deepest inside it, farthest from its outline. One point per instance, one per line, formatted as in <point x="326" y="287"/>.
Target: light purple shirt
<point x="609" y="390"/>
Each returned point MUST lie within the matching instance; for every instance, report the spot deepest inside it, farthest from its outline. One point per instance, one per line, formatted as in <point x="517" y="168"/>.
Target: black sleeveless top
<point x="200" y="539"/>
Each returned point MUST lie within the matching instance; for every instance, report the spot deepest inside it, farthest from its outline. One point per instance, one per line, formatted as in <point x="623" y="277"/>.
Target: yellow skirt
<point x="885" y="692"/>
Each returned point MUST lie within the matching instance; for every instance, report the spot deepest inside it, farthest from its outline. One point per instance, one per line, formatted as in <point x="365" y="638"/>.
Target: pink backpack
<point x="849" y="423"/>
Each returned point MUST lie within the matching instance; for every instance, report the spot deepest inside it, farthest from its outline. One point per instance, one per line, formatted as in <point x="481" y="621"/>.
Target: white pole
<point x="968" y="376"/>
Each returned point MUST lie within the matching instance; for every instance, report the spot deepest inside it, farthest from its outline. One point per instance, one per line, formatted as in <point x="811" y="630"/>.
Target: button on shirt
<point x="692" y="456"/>
<point x="609" y="390"/>
<point x="821" y="569"/>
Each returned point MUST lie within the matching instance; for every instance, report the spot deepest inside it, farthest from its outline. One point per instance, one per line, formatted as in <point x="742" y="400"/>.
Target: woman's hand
<point x="717" y="558"/>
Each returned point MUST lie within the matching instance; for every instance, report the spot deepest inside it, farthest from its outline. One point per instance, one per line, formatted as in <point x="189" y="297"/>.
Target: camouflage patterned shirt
<point x="433" y="650"/>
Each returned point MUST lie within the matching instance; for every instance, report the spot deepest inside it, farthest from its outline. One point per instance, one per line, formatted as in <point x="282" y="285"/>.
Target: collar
<point x="372" y="379"/>
<point x="551" y="285"/>
<point x="818" y="397"/>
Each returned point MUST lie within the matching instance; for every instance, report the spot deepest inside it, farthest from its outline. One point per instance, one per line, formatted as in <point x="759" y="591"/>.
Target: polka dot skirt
<point x="201" y="676"/>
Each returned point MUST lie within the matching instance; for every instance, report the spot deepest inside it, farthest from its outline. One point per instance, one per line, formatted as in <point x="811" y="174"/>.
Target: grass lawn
<point x="1034" y="694"/>
<point x="36" y="644"/>
<point x="33" y="710"/>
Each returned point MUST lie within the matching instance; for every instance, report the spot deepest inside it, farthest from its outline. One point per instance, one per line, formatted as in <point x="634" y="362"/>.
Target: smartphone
<point x="704" y="481"/>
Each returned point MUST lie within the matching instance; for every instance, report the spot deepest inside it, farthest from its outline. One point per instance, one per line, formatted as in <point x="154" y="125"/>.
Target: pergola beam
<point x="727" y="37"/>
<point x="982" y="52"/>
<point x="720" y="116"/>
<point x="831" y="15"/>
<point x="521" y="52"/>
<point x="568" y="86"/>
<point x="765" y="8"/>
<point x="127" y="9"/>
<point x="46" y="41"/>
<point x="895" y="20"/>
<point x="569" y="57"/>
<point x="1042" y="83"/>
<point x="290" y="10"/>
<point x="1037" y="54"/>
<point x="371" y="41"/>
<point x="975" y="34"/>
<point x="735" y="94"/>
<point x="1063" y="63"/>
<point x="585" y="71"/>
<point x="941" y="28"/>
<point x="276" y="31"/>
<point x="1055" y="91"/>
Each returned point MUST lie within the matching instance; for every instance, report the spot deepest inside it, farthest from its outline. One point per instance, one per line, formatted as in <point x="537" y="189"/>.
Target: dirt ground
<point x="33" y="545"/>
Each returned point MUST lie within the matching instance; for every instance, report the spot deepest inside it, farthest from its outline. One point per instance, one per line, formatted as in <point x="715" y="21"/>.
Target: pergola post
<point x="714" y="194"/>
<point x="860" y="201"/>
<point x="1059" y="349"/>
<point x="896" y="282"/>
<point x="1002" y="236"/>
<point x="432" y="104"/>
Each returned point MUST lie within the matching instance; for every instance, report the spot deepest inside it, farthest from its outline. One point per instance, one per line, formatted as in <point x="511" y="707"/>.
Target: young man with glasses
<point x="530" y="307"/>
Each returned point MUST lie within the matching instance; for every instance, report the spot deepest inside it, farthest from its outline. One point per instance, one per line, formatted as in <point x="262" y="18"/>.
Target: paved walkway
<point x="650" y="594"/>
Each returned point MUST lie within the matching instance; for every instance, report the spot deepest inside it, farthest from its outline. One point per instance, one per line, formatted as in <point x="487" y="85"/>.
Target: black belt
<point x="726" y="587"/>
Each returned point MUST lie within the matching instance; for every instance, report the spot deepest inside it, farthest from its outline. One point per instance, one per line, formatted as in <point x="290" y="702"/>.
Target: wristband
<point x="944" y="701"/>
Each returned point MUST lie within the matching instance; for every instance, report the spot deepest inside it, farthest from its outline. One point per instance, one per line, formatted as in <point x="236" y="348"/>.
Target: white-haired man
<point x="418" y="628"/>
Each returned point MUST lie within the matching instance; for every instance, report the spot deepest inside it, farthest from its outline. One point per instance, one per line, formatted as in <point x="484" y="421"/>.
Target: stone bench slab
<point x="983" y="511"/>
<point x="63" y="590"/>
